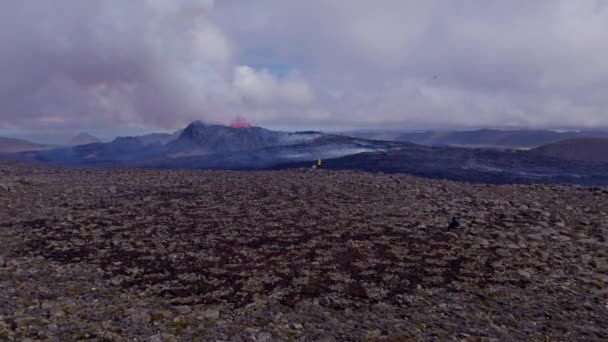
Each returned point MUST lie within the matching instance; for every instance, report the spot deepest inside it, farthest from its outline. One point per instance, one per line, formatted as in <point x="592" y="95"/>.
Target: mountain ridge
<point x="581" y="149"/>
<point x="13" y="145"/>
<point x="83" y="139"/>
<point x="487" y="138"/>
<point x="202" y="145"/>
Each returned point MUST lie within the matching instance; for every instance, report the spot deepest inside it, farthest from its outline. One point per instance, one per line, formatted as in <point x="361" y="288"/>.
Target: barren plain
<point x="300" y="255"/>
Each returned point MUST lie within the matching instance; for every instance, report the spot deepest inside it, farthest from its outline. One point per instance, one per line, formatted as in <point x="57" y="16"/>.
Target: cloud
<point x="262" y="87"/>
<point x="109" y="62"/>
<point x="441" y="63"/>
<point x="317" y="63"/>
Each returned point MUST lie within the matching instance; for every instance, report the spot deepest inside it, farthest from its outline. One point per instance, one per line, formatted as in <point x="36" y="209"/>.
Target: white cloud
<point x="162" y="63"/>
<point x="262" y="87"/>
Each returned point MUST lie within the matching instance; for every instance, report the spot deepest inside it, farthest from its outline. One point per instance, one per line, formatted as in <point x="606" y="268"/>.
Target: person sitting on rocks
<point x="455" y="224"/>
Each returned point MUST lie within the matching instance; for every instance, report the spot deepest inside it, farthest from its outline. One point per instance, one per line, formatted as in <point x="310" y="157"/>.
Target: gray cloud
<point x="516" y="63"/>
<point x="107" y="62"/>
<point x="317" y="63"/>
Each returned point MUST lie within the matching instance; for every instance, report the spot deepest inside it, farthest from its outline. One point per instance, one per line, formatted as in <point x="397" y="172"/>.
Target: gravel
<point x="163" y="255"/>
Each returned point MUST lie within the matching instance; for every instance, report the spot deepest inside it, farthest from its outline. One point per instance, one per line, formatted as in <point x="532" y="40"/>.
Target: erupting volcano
<point x="240" y="122"/>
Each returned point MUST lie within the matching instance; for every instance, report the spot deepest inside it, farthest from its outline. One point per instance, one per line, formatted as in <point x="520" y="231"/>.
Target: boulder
<point x="183" y="309"/>
<point x="525" y="274"/>
<point x="210" y="314"/>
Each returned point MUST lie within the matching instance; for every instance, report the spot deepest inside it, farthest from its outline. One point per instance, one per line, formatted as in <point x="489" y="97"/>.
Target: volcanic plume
<point x="240" y="122"/>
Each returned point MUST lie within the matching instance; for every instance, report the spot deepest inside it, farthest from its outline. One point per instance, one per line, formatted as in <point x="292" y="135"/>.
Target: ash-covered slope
<point x="200" y="139"/>
<point x="297" y="148"/>
<point x="472" y="165"/>
<point x="586" y="149"/>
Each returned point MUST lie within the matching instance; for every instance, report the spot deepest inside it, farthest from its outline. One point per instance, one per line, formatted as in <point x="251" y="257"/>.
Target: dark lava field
<point x="297" y="255"/>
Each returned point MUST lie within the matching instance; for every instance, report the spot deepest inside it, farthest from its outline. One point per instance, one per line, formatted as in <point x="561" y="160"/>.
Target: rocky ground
<point x="146" y="255"/>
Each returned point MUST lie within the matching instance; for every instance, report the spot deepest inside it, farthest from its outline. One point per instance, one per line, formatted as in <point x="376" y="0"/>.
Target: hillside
<point x="84" y="139"/>
<point x="488" y="138"/>
<point x="471" y="165"/>
<point x="296" y="255"/>
<point x="586" y="149"/>
<point x="10" y="145"/>
<point x="200" y="139"/>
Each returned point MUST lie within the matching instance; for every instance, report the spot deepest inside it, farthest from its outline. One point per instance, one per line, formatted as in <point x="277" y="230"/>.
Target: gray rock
<point x="536" y="237"/>
<point x="5" y="187"/>
<point x="23" y="181"/>
<point x="561" y="238"/>
<point x="525" y="274"/>
<point x="169" y="337"/>
<point x="483" y="242"/>
<point x="116" y="281"/>
<point x="602" y="277"/>
<point x="183" y="310"/>
<point x="58" y="313"/>
<point x="503" y="252"/>
<point x="297" y="326"/>
<point x="451" y="235"/>
<point x="511" y="245"/>
<point x="263" y="337"/>
<point x="210" y="314"/>
<point x="24" y="321"/>
<point x="155" y="338"/>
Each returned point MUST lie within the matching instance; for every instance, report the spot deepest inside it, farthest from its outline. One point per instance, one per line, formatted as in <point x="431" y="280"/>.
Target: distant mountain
<point x="156" y="138"/>
<point x="116" y="152"/>
<point x="222" y="147"/>
<point x="210" y="146"/>
<point x="9" y="145"/>
<point x="201" y="139"/>
<point x="488" y="138"/>
<point x="584" y="149"/>
<point x="84" y="139"/>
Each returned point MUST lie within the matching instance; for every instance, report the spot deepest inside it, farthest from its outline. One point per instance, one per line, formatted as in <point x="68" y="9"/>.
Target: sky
<point x="114" y="67"/>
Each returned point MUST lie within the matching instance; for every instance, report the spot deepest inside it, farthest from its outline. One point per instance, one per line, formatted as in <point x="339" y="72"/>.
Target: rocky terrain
<point x="149" y="255"/>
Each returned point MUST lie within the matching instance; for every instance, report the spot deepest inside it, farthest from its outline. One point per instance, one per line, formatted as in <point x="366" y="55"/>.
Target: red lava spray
<point x="240" y="122"/>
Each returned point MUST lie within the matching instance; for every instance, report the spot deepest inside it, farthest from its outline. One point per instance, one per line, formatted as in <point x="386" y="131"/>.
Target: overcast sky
<point x="118" y="66"/>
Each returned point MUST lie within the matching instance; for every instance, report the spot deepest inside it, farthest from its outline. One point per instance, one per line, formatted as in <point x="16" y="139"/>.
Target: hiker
<point x="455" y="224"/>
<point x="319" y="164"/>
